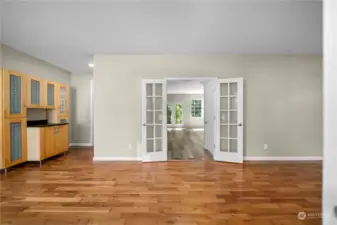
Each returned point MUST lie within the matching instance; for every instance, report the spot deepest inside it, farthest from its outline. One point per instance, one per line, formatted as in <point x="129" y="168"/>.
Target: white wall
<point x="184" y="87"/>
<point x="21" y="62"/>
<point x="330" y="112"/>
<point x="80" y="95"/>
<point x="283" y="99"/>
<point x="36" y="114"/>
<point x="186" y="101"/>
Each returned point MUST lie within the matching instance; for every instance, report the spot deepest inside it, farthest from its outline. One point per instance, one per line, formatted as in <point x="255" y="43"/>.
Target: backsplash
<point x="36" y="114"/>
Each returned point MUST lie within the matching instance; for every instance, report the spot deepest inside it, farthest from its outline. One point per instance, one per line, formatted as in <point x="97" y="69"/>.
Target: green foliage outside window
<point x="169" y="114"/>
<point x="179" y="114"/>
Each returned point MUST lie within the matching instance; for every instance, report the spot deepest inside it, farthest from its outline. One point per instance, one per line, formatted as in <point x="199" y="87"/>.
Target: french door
<point x="229" y="121"/>
<point x="154" y="120"/>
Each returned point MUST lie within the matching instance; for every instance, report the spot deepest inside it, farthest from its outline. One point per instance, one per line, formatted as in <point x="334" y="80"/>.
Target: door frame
<point x="217" y="119"/>
<point x="202" y="80"/>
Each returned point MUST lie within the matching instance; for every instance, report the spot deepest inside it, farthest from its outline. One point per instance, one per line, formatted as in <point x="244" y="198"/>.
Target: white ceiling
<point x="184" y="87"/>
<point x="68" y="34"/>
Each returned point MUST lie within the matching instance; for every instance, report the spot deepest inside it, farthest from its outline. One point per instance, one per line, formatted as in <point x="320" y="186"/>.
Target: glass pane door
<point x="154" y="121"/>
<point x="230" y="120"/>
<point x="228" y="117"/>
<point x="154" y="128"/>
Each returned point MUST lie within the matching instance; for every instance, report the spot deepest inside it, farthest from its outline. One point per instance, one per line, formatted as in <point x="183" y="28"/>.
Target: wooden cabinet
<point x="15" y="141"/>
<point x="35" y="93"/>
<point x="51" y="94"/>
<point x="63" y="99"/>
<point x="19" y="92"/>
<point x="14" y="94"/>
<point x="2" y="164"/>
<point x="45" y="142"/>
<point x="63" y="138"/>
<point x="63" y="119"/>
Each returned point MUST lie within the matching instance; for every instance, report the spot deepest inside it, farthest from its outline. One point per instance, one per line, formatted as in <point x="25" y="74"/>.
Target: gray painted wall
<point x="80" y="108"/>
<point x="21" y="62"/>
<point x="186" y="101"/>
<point x="283" y="99"/>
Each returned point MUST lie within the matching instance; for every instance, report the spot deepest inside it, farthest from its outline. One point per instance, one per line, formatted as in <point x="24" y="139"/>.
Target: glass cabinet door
<point x="63" y="94"/>
<point x="50" y="94"/>
<point x="15" y="141"/>
<point x="34" y="92"/>
<point x="14" y="95"/>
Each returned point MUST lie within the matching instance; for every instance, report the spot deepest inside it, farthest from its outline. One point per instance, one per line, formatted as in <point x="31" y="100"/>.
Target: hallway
<point x="185" y="144"/>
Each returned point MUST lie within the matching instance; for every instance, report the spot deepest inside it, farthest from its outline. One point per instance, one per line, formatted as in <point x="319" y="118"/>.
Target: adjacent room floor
<point x="185" y="144"/>
<point x="74" y="190"/>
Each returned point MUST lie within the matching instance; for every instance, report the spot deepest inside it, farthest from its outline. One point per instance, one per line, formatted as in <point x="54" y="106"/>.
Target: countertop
<point x="47" y="125"/>
<point x="43" y="123"/>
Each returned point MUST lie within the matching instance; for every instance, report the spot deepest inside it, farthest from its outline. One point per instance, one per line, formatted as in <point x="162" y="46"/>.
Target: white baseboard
<point x="80" y="145"/>
<point x="116" y="159"/>
<point x="284" y="158"/>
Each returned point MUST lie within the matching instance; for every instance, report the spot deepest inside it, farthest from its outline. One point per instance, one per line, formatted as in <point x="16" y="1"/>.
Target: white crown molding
<point x="283" y="158"/>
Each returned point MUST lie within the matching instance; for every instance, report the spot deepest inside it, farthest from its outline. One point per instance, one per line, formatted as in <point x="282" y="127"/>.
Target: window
<point x="196" y="108"/>
<point x="169" y="114"/>
<point x="179" y="114"/>
<point x="175" y="114"/>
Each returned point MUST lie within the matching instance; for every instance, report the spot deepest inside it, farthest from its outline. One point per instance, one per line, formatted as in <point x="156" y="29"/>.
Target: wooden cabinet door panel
<point x="14" y="94"/>
<point x="64" y="138"/>
<point x="49" y="141"/>
<point x="15" y="141"/>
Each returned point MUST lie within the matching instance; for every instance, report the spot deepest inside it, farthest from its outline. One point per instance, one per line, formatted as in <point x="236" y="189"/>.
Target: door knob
<point x="240" y="125"/>
<point x="205" y="122"/>
<point x="144" y="124"/>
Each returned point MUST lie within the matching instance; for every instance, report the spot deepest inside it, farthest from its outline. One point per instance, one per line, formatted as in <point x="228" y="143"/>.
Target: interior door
<point x="229" y="121"/>
<point x="154" y="130"/>
<point x="209" y="116"/>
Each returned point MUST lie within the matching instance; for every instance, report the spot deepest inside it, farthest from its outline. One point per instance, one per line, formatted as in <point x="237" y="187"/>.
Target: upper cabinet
<point x="14" y="94"/>
<point x="51" y="94"/>
<point x="35" y="92"/>
<point x="63" y="99"/>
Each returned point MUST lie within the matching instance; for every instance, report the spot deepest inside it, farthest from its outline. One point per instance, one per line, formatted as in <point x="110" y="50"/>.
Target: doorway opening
<point x="217" y="120"/>
<point x="187" y="120"/>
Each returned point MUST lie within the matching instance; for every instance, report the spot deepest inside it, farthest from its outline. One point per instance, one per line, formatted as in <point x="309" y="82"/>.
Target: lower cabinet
<point x="45" y="142"/>
<point x="15" y="141"/>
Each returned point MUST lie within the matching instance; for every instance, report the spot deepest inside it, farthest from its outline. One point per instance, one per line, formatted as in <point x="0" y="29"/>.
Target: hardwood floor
<point x="74" y="190"/>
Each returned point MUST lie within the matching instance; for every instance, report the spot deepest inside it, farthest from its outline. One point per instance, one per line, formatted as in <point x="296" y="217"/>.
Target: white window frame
<point x="173" y="116"/>
<point x="201" y="108"/>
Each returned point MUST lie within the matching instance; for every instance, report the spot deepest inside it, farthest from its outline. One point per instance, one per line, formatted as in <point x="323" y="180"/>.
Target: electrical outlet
<point x="265" y="147"/>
